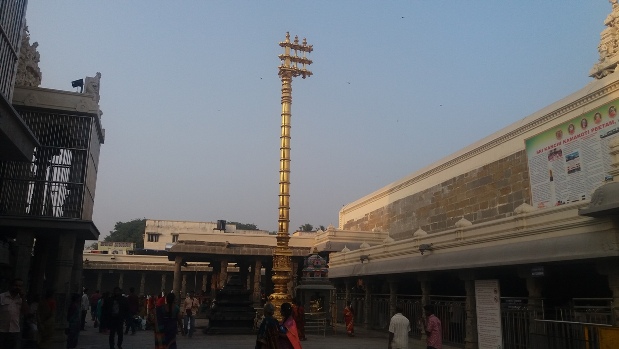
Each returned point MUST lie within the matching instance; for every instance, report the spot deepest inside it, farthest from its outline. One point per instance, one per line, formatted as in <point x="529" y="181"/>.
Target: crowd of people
<point x="116" y="314"/>
<point x="30" y="322"/>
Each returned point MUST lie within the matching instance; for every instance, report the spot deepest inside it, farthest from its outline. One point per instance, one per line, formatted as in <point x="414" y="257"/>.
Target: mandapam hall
<point x="533" y="207"/>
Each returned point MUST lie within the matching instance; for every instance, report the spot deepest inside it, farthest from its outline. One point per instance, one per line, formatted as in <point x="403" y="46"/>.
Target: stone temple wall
<point x="490" y="192"/>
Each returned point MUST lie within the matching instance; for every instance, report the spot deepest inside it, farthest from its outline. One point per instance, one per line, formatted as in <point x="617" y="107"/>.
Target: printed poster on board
<point x="488" y="308"/>
<point x="568" y="162"/>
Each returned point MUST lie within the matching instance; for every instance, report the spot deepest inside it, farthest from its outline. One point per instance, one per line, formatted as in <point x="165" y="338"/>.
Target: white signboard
<point x="488" y="304"/>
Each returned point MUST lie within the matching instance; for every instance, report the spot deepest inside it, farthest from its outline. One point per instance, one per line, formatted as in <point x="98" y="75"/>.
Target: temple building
<point x="533" y="207"/>
<point x="49" y="157"/>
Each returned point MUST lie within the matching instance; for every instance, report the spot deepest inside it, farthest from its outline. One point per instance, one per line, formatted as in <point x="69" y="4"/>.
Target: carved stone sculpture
<point x="93" y="84"/>
<point x="609" y="45"/>
<point x="28" y="72"/>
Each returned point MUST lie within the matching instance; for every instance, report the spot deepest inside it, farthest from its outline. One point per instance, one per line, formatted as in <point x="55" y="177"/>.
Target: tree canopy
<point x="306" y="227"/>
<point x="131" y="231"/>
<point x="245" y="226"/>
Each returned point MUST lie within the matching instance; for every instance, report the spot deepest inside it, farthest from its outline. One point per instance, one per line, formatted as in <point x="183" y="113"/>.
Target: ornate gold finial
<point x="609" y="45"/>
<point x="282" y="255"/>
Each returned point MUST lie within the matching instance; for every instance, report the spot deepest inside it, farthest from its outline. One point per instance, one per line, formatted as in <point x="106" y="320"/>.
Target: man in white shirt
<point x="399" y="327"/>
<point x="85" y="306"/>
<point x="191" y="306"/>
<point x="12" y="306"/>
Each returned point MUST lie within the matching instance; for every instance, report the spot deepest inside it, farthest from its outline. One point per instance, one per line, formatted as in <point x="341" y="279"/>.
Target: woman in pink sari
<point x="289" y="336"/>
<point x="349" y="319"/>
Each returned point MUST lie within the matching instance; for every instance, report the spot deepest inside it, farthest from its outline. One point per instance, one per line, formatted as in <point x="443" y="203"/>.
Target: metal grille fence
<point x="52" y="184"/>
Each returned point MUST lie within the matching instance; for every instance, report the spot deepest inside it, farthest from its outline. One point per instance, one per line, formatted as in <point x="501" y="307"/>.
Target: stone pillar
<point x="535" y="301"/>
<point x="78" y="267"/>
<point x="393" y="296"/>
<point x="121" y="280"/>
<point x="347" y="283"/>
<point x="142" y="283"/>
<point x="426" y="288"/>
<point x="184" y="286"/>
<point x="611" y="270"/>
<point x="99" y="279"/>
<point x="295" y="277"/>
<point x="204" y="280"/>
<point x="223" y="275"/>
<point x="214" y="278"/>
<point x="62" y="284"/>
<point x="176" y="284"/>
<point x="257" y="294"/>
<point x="613" y="283"/>
<point x="39" y="263"/>
<point x="243" y="273"/>
<point x="25" y="242"/>
<point x="163" y="282"/>
<point x="470" y="307"/>
<point x="367" y="303"/>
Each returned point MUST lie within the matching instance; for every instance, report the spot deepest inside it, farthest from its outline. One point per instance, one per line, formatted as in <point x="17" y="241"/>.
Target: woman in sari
<point x="289" y="337"/>
<point x="167" y="320"/>
<point x="268" y="332"/>
<point x="298" y="312"/>
<point x="46" y="317"/>
<point x="349" y="319"/>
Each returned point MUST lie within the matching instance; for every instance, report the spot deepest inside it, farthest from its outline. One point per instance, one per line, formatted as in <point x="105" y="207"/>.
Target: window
<point x="174" y="237"/>
<point x="153" y="237"/>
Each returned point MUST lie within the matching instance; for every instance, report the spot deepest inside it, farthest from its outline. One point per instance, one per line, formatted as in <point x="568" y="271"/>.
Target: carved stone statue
<point x="28" y="72"/>
<point x="609" y="45"/>
<point x="93" y="84"/>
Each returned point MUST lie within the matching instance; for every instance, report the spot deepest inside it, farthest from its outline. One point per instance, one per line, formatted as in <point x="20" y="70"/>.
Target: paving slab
<point x="364" y="339"/>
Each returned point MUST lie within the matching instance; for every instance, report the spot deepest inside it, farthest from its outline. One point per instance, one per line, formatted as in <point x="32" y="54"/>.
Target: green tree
<point x="245" y="226"/>
<point x="131" y="231"/>
<point x="322" y="227"/>
<point x="306" y="227"/>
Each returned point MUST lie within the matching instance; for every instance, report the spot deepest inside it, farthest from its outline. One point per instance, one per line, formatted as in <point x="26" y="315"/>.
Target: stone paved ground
<point x="92" y="339"/>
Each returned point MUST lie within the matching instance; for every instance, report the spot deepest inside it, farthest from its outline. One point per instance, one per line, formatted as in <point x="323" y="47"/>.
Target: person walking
<point x="399" y="327"/>
<point x="191" y="306"/>
<point x="74" y="320"/>
<point x="94" y="299"/>
<point x="289" y="336"/>
<point x="115" y="311"/>
<point x="298" y="312"/>
<point x="167" y="322"/>
<point x="134" y="306"/>
<point x="268" y="332"/>
<point x="432" y="327"/>
<point x="85" y="306"/>
<point x="349" y="319"/>
<point x="12" y="307"/>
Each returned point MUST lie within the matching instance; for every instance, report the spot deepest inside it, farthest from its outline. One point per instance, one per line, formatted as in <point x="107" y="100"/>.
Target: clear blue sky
<point x="191" y="97"/>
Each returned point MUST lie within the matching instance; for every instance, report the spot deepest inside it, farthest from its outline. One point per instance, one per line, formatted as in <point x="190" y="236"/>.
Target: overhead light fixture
<point x="424" y="248"/>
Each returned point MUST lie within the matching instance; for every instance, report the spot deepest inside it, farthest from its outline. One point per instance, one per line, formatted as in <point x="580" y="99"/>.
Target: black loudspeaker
<point x="221" y="224"/>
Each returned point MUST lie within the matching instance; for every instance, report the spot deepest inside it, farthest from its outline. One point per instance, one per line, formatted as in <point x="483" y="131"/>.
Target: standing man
<point x="191" y="306"/>
<point x="134" y="307"/>
<point x="85" y="305"/>
<point x="12" y="306"/>
<point x="399" y="327"/>
<point x="94" y="299"/>
<point x="432" y="326"/>
<point x="115" y="311"/>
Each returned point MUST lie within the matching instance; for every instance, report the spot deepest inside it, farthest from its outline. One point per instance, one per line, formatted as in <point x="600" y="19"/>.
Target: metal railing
<point x="553" y="334"/>
<point x="521" y="322"/>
